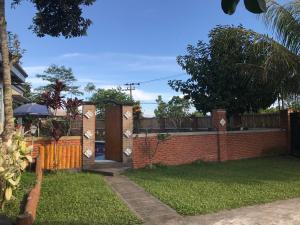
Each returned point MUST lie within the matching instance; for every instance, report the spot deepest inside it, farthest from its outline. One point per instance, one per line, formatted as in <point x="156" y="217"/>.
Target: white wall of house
<point x="16" y="91"/>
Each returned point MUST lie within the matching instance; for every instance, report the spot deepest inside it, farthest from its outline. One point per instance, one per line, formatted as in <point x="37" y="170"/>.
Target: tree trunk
<point x="7" y="88"/>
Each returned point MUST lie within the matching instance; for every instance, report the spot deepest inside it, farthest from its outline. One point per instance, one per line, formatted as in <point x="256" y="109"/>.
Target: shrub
<point x="12" y="163"/>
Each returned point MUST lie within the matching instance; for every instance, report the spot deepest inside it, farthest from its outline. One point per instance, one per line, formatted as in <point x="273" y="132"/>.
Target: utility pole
<point x="131" y="87"/>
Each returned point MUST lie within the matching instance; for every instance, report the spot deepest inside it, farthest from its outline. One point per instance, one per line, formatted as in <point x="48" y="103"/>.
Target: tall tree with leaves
<point x="175" y="110"/>
<point x="102" y="97"/>
<point x="54" y="18"/>
<point x="238" y="70"/>
<point x="62" y="74"/>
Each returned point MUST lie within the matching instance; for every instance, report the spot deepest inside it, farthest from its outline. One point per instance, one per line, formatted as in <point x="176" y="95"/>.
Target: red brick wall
<point x="249" y="145"/>
<point x="179" y="149"/>
<point x="190" y="147"/>
<point x="73" y="140"/>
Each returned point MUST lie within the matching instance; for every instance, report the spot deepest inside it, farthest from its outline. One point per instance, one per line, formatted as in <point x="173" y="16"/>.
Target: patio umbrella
<point x="32" y="109"/>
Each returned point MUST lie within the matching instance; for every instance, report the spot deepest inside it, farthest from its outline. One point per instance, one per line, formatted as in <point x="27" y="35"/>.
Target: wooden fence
<point x="67" y="157"/>
<point x="172" y="124"/>
<point x="253" y="121"/>
<point x="250" y="121"/>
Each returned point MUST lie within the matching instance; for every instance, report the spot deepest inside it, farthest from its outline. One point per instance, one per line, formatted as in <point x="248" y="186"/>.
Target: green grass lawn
<point x="202" y="188"/>
<point x="16" y="206"/>
<point x="80" y="199"/>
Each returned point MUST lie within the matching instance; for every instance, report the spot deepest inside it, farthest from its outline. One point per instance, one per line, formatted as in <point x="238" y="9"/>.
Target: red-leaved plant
<point x="55" y="100"/>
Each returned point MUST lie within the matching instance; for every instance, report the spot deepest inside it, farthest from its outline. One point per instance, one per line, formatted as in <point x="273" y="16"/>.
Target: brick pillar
<point x="88" y="135"/>
<point x="127" y="131"/>
<point x="285" y="124"/>
<point x="219" y="124"/>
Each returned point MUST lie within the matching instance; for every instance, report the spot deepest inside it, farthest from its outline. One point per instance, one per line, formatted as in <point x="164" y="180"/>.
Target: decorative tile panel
<point x="127" y="133"/>
<point x="127" y="115"/>
<point x="88" y="153"/>
<point x="88" y="134"/>
<point x="128" y="152"/>
<point x="222" y="122"/>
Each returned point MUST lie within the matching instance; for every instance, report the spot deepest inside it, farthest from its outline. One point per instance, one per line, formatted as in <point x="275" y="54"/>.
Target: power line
<point x="161" y="78"/>
<point x="130" y="88"/>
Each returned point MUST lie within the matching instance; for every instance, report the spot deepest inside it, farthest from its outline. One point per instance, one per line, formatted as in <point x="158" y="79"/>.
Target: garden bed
<point x="15" y="207"/>
<point x="202" y="188"/>
<point x="80" y="199"/>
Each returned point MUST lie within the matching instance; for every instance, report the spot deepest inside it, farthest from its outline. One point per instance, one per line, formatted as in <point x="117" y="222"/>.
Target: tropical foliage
<point x="59" y="18"/>
<point x="238" y="70"/>
<point x="55" y="100"/>
<point x="254" y="6"/>
<point x="12" y="164"/>
<point x="61" y="73"/>
<point x="284" y="19"/>
<point x="103" y="97"/>
<point x="54" y="18"/>
<point x="175" y="110"/>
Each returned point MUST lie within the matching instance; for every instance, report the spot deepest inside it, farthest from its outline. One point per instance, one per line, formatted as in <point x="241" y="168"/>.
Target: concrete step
<point x="109" y="171"/>
<point x="109" y="164"/>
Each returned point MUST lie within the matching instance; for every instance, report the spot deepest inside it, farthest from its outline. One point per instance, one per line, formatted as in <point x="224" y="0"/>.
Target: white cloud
<point x="71" y="55"/>
<point x="126" y="62"/>
<point x="144" y="95"/>
<point x="35" y="82"/>
<point x="33" y="70"/>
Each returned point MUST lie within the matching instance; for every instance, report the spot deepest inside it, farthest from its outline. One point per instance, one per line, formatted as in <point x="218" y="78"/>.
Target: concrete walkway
<point x="148" y="208"/>
<point x="285" y="212"/>
<point x="154" y="212"/>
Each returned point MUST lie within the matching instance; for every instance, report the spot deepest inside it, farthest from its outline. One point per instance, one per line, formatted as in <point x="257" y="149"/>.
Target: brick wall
<point x="254" y="144"/>
<point x="182" y="148"/>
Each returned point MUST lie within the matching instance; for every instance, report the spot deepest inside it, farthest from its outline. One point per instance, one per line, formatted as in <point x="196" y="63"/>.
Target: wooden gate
<point x="295" y="134"/>
<point x="113" y="133"/>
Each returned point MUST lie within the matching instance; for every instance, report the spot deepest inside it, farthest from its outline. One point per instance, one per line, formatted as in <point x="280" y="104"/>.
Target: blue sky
<point x="129" y="41"/>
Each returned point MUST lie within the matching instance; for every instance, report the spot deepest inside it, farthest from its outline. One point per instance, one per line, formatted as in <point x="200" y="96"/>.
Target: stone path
<point x="147" y="207"/>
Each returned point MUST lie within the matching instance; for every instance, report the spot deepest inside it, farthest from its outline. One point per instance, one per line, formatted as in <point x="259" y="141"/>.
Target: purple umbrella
<point x="32" y="109"/>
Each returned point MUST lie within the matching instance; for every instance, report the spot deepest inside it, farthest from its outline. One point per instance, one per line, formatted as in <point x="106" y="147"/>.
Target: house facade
<point x="18" y="77"/>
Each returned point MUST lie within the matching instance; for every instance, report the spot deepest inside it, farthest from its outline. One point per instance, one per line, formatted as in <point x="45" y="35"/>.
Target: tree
<point x="230" y="72"/>
<point x="175" y="110"/>
<point x="55" y="100"/>
<point x="102" y="97"/>
<point x="254" y="6"/>
<point x="54" y="18"/>
<point x="90" y="87"/>
<point x="62" y="74"/>
<point x="285" y="20"/>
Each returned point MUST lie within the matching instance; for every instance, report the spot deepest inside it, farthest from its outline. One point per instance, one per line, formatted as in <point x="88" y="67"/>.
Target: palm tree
<point x="7" y="88"/>
<point x="285" y="21"/>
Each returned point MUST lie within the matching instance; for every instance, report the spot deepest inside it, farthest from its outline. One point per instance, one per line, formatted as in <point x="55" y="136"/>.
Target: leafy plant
<point x="103" y="97"/>
<point x="12" y="164"/>
<point x="284" y="19"/>
<point x="151" y="152"/>
<point x="174" y="110"/>
<point x="61" y="73"/>
<point x="72" y="107"/>
<point x="238" y="70"/>
<point x="55" y="100"/>
<point x="254" y="6"/>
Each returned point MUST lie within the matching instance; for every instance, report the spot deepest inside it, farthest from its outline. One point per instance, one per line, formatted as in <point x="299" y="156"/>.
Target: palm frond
<point x="285" y="21"/>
